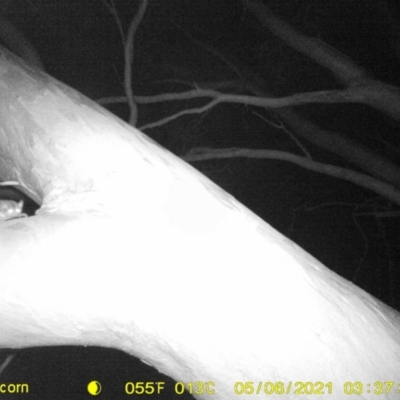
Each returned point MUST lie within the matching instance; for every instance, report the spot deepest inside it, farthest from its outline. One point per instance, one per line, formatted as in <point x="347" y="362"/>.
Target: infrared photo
<point x="199" y="199"/>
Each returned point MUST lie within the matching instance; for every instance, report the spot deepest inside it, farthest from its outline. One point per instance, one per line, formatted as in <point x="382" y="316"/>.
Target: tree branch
<point x="368" y="182"/>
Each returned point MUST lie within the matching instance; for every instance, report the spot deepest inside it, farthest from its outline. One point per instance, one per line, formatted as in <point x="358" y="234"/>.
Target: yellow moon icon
<point x="94" y="388"/>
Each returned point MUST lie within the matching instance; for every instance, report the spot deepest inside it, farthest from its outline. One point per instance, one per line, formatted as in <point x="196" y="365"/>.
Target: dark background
<point x="334" y="220"/>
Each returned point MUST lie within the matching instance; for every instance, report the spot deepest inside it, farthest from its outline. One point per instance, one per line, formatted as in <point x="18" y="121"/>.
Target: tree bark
<point x="134" y="249"/>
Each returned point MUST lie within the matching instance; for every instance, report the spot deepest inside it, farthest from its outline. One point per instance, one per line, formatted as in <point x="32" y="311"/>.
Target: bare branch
<point x="6" y="362"/>
<point x="366" y="181"/>
<point x="198" y="110"/>
<point x="112" y="8"/>
<point x="343" y="67"/>
<point x="381" y="96"/>
<point x="129" y="59"/>
<point x="282" y="127"/>
<point x="333" y="142"/>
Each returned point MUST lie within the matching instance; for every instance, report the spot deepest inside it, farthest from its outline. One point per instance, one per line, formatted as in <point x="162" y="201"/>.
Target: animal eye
<point x="11" y="209"/>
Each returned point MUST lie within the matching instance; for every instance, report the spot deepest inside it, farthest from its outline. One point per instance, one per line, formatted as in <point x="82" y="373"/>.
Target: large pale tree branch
<point x="88" y="270"/>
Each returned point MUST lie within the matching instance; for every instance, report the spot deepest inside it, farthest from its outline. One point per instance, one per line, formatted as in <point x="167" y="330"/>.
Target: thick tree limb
<point x="134" y="249"/>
